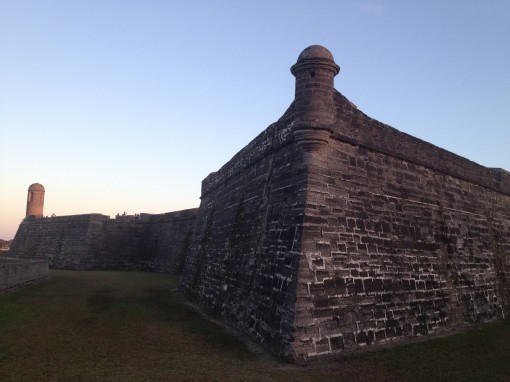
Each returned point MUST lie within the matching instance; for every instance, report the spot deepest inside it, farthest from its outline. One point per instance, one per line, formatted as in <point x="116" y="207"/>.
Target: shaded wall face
<point x="391" y="249"/>
<point x="243" y="255"/>
<point x="117" y="244"/>
<point x="17" y="275"/>
<point x="169" y="239"/>
<point x="81" y="242"/>
<point x="63" y="241"/>
<point x="154" y="242"/>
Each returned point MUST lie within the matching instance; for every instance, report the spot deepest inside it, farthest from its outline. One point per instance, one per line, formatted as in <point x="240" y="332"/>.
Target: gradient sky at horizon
<point x="127" y="105"/>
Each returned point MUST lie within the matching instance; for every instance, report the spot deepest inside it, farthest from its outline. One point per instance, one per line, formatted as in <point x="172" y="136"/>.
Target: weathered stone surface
<point x="168" y="240"/>
<point x="410" y="252"/>
<point x="94" y="241"/>
<point x="19" y="274"/>
<point x="244" y="253"/>
<point x="332" y="232"/>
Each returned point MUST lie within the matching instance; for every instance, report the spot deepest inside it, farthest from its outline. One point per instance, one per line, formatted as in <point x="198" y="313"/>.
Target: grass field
<point x="131" y="326"/>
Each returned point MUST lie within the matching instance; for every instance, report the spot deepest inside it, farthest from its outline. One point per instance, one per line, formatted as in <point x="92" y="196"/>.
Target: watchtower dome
<point x="35" y="200"/>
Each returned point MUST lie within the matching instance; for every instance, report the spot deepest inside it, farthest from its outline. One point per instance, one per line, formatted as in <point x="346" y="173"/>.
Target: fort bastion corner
<point x="329" y="232"/>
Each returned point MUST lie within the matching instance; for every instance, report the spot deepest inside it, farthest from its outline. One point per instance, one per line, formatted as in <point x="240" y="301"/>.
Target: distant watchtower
<point x="35" y="200"/>
<point x="314" y="107"/>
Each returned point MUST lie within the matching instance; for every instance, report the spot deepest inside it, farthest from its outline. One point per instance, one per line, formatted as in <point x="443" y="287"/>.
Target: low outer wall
<point x="169" y="240"/>
<point x="116" y="244"/>
<point x="94" y="241"/>
<point x="62" y="241"/>
<point x="17" y="275"/>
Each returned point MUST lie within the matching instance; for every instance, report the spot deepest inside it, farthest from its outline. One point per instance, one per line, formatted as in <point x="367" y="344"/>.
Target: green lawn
<point x="131" y="326"/>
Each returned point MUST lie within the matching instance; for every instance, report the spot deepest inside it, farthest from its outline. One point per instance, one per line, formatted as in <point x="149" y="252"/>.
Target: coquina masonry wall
<point x="62" y="241"/>
<point x="393" y="248"/>
<point x="244" y="254"/>
<point x="333" y="232"/>
<point x="94" y="241"/>
<point x="168" y="240"/>
<point x="17" y="275"/>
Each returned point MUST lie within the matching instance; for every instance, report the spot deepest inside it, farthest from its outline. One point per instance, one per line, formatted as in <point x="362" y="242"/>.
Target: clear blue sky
<point x="127" y="105"/>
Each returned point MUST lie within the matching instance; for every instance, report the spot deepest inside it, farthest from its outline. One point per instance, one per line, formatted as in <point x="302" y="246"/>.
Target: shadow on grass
<point x="477" y="355"/>
<point x="101" y="300"/>
<point x="169" y="307"/>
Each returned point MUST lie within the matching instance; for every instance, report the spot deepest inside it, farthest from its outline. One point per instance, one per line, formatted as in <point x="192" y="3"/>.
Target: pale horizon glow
<point x="126" y="106"/>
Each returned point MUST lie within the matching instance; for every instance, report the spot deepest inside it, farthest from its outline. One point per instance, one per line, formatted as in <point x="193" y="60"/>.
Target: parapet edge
<point x="355" y="127"/>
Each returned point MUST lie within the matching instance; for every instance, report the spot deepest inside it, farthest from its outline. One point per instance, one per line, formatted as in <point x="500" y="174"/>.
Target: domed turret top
<point x="36" y="187"/>
<point x="315" y="51"/>
<point x="315" y="56"/>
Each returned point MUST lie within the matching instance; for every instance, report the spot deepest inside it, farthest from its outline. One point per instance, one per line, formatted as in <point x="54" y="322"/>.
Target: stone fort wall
<point x="332" y="232"/>
<point x="14" y="275"/>
<point x="245" y="250"/>
<point x="329" y="232"/>
<point x="400" y="238"/>
<point x="94" y="241"/>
